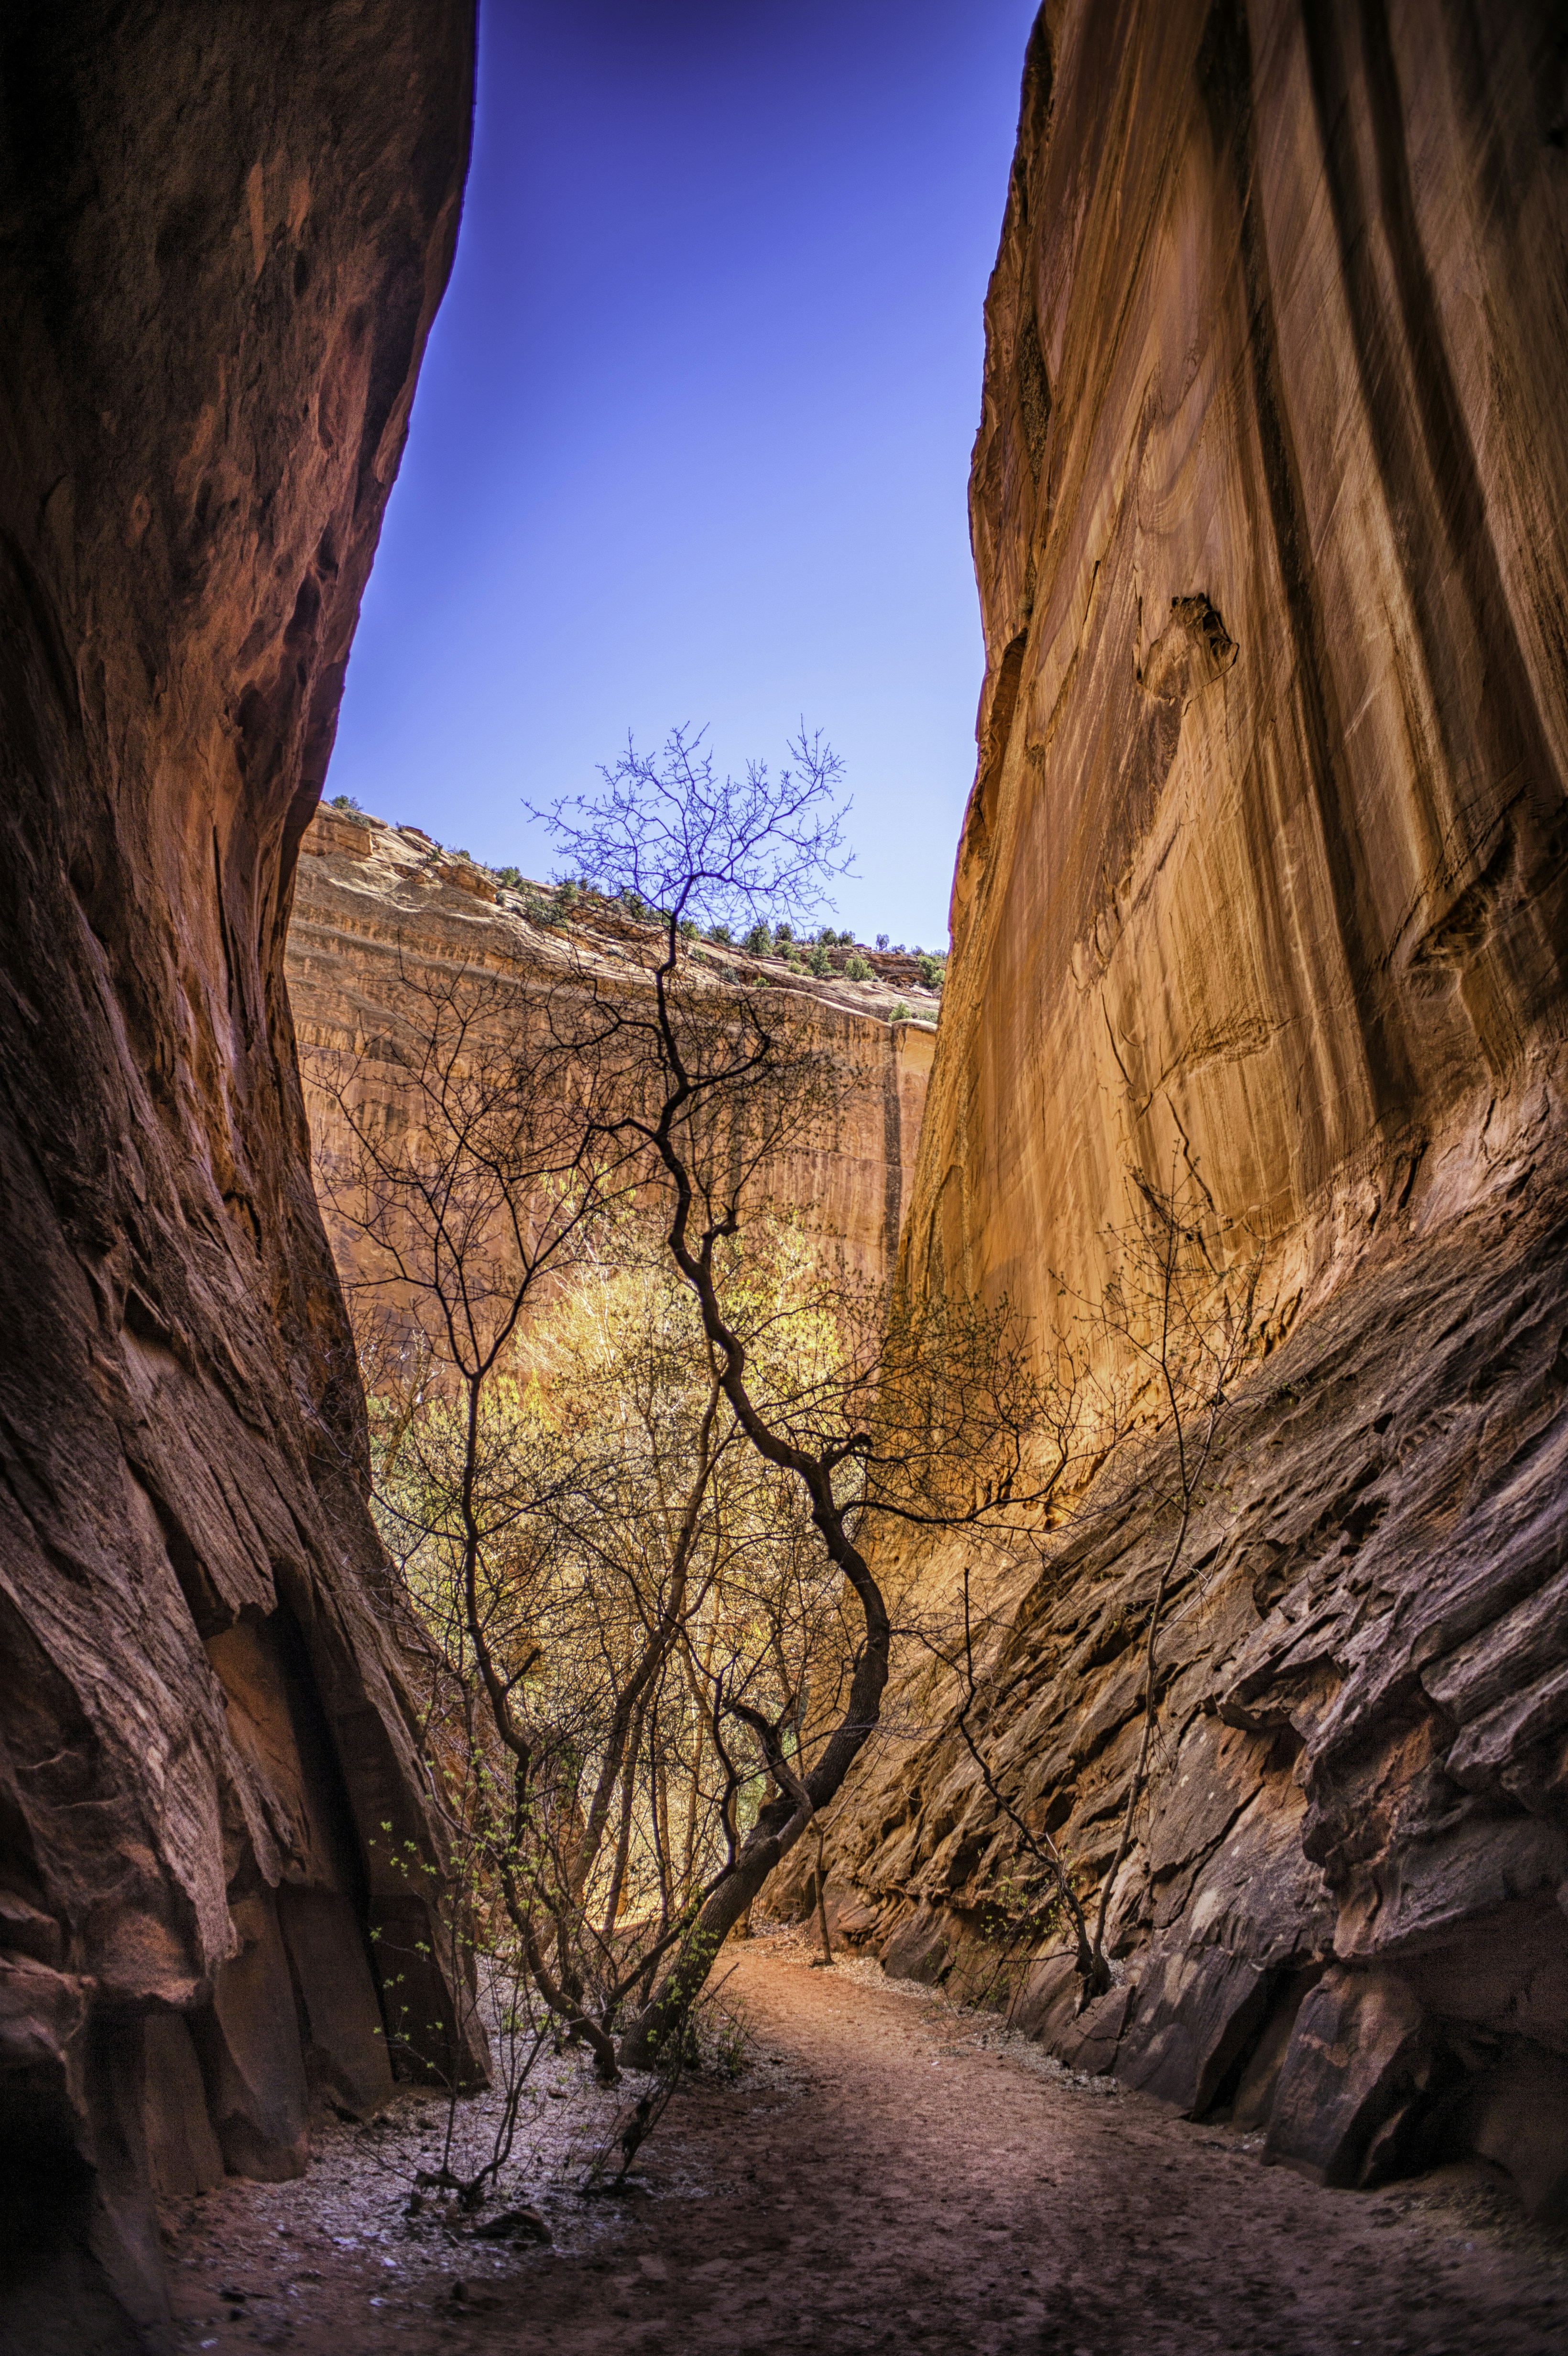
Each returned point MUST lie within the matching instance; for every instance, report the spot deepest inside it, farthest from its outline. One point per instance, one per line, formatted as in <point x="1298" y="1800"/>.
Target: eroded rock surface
<point x="226" y="232"/>
<point x="1263" y="878"/>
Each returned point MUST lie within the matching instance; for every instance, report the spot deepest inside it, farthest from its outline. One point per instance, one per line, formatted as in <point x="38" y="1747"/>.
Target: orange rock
<point x="328" y="834"/>
<point x="467" y="877"/>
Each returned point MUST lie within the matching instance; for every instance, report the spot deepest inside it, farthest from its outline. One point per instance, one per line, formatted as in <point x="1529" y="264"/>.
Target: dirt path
<point x="895" y="2177"/>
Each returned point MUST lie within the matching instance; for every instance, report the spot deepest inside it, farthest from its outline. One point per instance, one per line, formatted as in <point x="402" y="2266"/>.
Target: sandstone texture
<point x="225" y="235"/>
<point x="1263" y="880"/>
<point x="381" y="915"/>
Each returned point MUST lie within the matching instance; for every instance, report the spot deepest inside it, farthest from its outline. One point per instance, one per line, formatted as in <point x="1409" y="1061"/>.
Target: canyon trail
<point x="1017" y="2209"/>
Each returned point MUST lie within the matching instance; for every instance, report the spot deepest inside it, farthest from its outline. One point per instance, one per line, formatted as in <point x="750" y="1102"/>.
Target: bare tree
<point x="1053" y="1873"/>
<point x="602" y="1574"/>
<point x="651" y="1642"/>
<point x="1185" y="1324"/>
<point x="924" y="1417"/>
<point x="1135" y="1396"/>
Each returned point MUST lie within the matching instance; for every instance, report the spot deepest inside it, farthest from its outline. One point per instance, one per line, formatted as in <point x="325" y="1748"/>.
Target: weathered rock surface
<point x="380" y="914"/>
<point x="1264" y="877"/>
<point x="225" y="235"/>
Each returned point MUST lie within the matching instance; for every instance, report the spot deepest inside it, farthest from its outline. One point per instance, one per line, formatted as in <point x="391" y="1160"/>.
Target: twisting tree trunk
<point x="723" y="1081"/>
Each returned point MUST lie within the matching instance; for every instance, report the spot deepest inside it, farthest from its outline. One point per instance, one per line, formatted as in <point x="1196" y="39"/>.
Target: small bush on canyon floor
<point x="725" y="2042"/>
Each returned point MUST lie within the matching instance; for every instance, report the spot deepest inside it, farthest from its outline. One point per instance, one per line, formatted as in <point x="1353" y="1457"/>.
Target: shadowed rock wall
<point x="226" y="233"/>
<point x="1263" y="878"/>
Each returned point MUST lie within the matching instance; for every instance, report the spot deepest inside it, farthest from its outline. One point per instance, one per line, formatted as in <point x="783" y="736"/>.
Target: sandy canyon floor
<point x="889" y="2174"/>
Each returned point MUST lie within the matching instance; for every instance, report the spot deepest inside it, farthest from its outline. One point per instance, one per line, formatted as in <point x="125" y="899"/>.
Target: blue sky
<point x="692" y="437"/>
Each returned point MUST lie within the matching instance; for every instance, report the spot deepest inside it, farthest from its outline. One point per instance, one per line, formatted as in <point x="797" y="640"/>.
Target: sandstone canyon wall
<point x="1263" y="875"/>
<point x="380" y="918"/>
<point x="226" y="233"/>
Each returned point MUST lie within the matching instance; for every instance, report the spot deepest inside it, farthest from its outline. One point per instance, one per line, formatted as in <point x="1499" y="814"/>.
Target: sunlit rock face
<point x="383" y="922"/>
<point x="1263" y="880"/>
<point x="227" y="230"/>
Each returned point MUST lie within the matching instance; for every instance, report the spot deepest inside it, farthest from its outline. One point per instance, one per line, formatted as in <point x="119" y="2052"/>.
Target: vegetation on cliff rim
<point x="825" y="954"/>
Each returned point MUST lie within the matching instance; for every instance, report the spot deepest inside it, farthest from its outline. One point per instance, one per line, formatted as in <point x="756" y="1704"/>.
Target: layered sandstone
<point x="1263" y="880"/>
<point x="226" y="234"/>
<point x="381" y="915"/>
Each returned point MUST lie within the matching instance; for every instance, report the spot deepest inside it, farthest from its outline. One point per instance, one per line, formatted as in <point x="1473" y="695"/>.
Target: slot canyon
<point x="1263" y="880"/>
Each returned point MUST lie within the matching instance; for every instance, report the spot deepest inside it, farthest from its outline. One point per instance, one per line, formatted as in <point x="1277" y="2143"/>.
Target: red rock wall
<point x="1264" y="871"/>
<point x="227" y="231"/>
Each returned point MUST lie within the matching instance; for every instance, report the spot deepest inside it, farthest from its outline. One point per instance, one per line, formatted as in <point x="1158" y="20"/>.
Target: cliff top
<point x="403" y="865"/>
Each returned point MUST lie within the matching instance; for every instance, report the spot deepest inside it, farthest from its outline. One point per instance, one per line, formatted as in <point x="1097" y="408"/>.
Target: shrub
<point x="784" y="932"/>
<point x="344" y="802"/>
<point x="933" y="971"/>
<point x="759" y="940"/>
<point x="881" y="940"/>
<point x="900" y="1013"/>
<point x="512" y="877"/>
<point x="688" y="928"/>
<point x="821" y="963"/>
<point x="857" y="970"/>
<point x="720" y="934"/>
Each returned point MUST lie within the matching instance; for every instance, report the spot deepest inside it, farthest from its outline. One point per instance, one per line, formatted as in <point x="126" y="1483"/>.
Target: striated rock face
<point x="1263" y="878"/>
<point x="377" y="910"/>
<point x="226" y="232"/>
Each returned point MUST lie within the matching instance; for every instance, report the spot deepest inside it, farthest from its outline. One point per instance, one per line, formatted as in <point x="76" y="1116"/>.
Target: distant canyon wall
<point x="227" y="231"/>
<point x="1261" y="882"/>
<point x="380" y="917"/>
